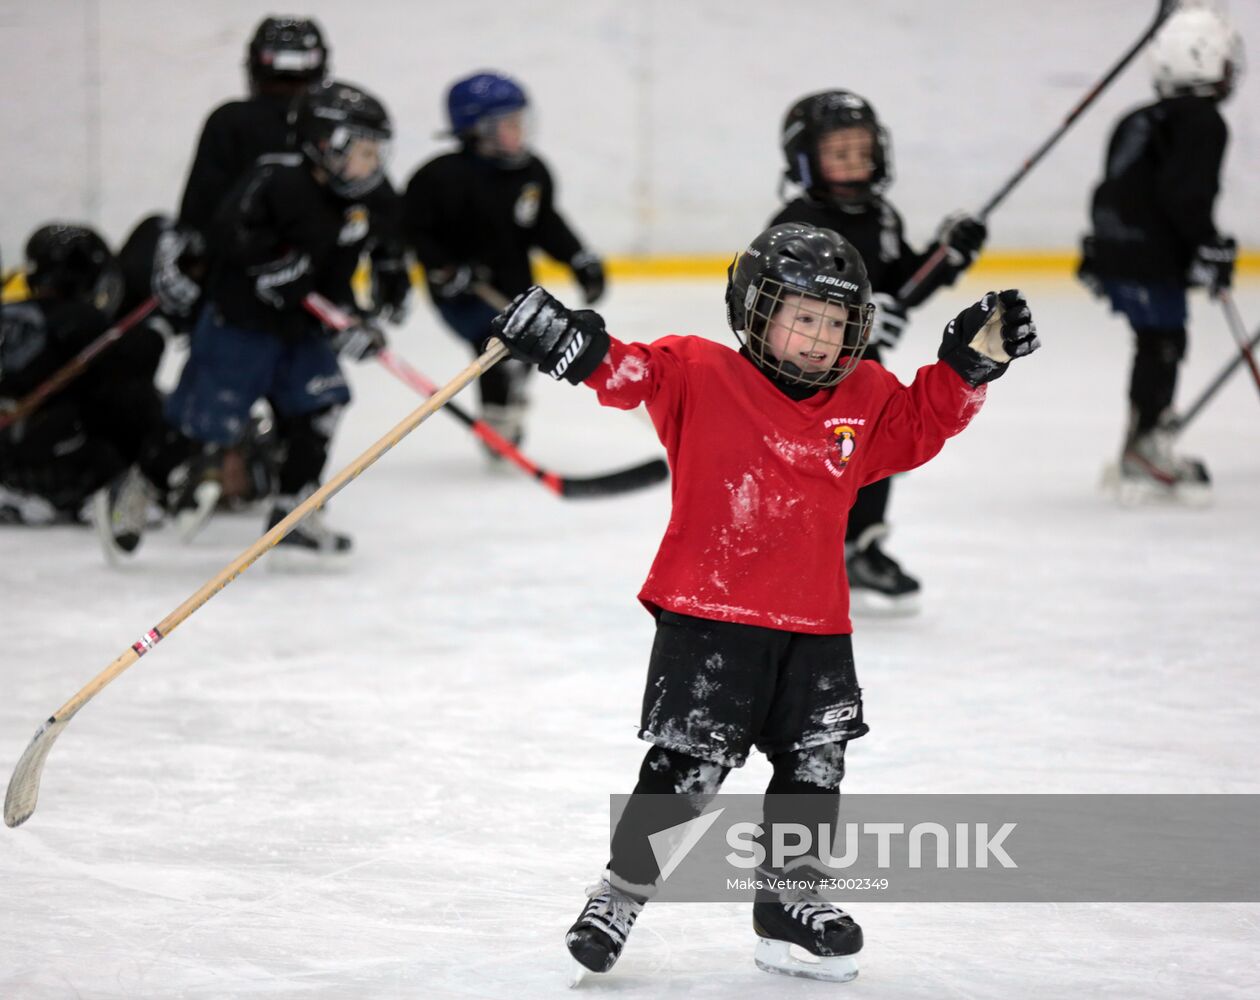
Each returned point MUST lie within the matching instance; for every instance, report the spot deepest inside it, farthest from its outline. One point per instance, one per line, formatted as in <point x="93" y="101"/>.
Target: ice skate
<point x="195" y="491"/>
<point x="312" y="545"/>
<point x="508" y="421"/>
<point x="1149" y="471"/>
<point x="17" y="507"/>
<point x="596" y="939"/>
<point x="801" y="919"/>
<point x="877" y="583"/>
<point x="120" y="514"/>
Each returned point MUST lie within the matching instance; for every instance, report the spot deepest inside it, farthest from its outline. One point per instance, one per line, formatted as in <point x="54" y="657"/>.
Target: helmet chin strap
<point x="853" y="204"/>
<point x="794" y="382"/>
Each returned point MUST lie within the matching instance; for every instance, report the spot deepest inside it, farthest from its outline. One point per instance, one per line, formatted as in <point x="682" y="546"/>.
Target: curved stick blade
<point x="23" y="793"/>
<point x="625" y="481"/>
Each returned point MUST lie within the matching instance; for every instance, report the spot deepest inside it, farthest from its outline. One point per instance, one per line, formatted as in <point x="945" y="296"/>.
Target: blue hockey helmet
<point x="482" y="95"/>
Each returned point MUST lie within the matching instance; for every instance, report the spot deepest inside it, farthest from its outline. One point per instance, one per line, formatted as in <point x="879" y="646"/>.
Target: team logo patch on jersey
<point x="843" y="433"/>
<point x="355" y="228"/>
<point x="527" y="204"/>
<point x="846" y="441"/>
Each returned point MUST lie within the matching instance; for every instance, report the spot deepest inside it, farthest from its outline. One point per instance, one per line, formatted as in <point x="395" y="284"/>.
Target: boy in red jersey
<point x="767" y="447"/>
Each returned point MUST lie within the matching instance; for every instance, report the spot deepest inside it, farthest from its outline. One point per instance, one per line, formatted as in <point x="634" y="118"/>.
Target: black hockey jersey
<point x="38" y="337"/>
<point x="234" y="136"/>
<point x="278" y="209"/>
<point x="874" y="229"/>
<point x="1154" y="204"/>
<point x="461" y="208"/>
<point x="95" y="426"/>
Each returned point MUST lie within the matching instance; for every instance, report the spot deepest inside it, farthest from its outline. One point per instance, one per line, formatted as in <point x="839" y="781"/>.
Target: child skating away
<point x="838" y="154"/>
<point x="1154" y="237"/>
<point x="767" y="446"/>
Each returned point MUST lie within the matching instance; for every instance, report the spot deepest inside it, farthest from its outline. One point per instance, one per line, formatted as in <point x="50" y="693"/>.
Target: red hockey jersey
<point x="762" y="484"/>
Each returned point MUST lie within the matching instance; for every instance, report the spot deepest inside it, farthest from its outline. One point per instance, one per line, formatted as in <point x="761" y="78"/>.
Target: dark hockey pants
<point x="811" y="775"/>
<point x="1156" y="360"/>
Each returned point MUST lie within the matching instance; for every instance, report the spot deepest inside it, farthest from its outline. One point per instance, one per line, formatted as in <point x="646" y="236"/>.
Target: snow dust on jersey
<point x="1154" y="205"/>
<point x="461" y="208"/>
<point x="762" y="484"/>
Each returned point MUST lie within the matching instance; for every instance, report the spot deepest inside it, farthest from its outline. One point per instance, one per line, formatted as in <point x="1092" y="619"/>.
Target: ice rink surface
<point x="393" y="782"/>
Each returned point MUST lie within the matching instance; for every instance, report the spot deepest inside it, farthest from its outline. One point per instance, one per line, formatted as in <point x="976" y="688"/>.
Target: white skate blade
<point x="205" y="498"/>
<point x="1131" y="491"/>
<point x="577" y="973"/>
<point x="872" y="604"/>
<point x="779" y="957"/>
<point x="114" y="555"/>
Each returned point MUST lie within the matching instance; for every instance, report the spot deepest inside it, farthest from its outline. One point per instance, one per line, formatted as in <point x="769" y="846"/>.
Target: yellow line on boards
<point x="1012" y="263"/>
<point x="1040" y="263"/>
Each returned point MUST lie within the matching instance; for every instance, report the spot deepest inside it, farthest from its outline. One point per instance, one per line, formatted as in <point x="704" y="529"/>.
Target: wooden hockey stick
<point x="23" y="792"/>
<point x="76" y="366"/>
<point x="491" y="296"/>
<point x="912" y="292"/>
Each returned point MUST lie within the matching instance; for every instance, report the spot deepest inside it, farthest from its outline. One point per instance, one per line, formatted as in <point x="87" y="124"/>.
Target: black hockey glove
<point x="448" y="282"/>
<point x="175" y="250"/>
<point x="981" y="340"/>
<point x="589" y="272"/>
<point x="1213" y="264"/>
<point x="392" y="285"/>
<point x="890" y="320"/>
<point x="963" y="235"/>
<point x="563" y="343"/>
<point x="358" y="343"/>
<point x="284" y="282"/>
<point x="1087" y="271"/>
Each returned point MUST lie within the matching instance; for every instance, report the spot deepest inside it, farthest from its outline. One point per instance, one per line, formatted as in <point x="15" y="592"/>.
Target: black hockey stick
<point x="636" y="477"/>
<point x="912" y="292"/>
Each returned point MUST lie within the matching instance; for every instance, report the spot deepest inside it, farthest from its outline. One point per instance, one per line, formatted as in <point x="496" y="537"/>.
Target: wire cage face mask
<point x="813" y="338"/>
<point x="346" y="150"/>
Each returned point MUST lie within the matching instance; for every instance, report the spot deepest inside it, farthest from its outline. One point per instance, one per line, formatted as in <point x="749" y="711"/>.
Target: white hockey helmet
<point x="1196" y="51"/>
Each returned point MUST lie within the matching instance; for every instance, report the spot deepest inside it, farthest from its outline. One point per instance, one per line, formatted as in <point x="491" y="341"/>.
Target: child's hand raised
<point x="981" y="340"/>
<point x="563" y="343"/>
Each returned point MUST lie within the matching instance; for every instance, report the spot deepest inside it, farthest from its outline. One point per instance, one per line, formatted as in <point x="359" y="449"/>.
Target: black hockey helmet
<point x="809" y="271"/>
<point x="73" y="262"/>
<point x="811" y="118"/>
<point x="327" y="120"/>
<point x="287" y="49"/>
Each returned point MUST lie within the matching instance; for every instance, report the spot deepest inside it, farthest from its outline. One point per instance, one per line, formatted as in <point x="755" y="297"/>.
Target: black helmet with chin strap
<point x="809" y="271"/>
<point x="327" y="119"/>
<point x="810" y="119"/>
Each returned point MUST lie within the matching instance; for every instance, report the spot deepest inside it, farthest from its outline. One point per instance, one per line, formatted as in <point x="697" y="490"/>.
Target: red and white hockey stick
<point x="1213" y="387"/>
<point x="1239" y="332"/>
<point x="76" y="366"/>
<point x="605" y="484"/>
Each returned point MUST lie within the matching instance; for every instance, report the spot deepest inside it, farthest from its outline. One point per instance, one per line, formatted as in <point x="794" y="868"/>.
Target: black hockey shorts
<point x="715" y="689"/>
